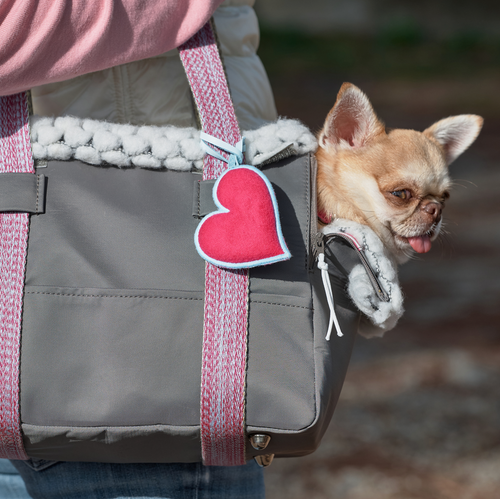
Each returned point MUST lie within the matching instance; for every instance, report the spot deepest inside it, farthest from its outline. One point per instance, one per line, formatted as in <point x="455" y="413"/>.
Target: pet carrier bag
<point x="121" y="344"/>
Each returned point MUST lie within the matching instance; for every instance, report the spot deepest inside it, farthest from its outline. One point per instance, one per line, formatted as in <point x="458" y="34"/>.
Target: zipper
<point x="316" y="242"/>
<point x="382" y="294"/>
<point x="318" y="255"/>
<point x="317" y="247"/>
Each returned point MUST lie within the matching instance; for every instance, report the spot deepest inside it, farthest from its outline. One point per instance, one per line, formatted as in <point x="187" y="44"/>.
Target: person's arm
<point x="43" y="41"/>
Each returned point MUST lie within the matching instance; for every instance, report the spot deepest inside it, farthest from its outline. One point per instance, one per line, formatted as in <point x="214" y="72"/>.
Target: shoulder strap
<point x="15" y="156"/>
<point x="223" y="376"/>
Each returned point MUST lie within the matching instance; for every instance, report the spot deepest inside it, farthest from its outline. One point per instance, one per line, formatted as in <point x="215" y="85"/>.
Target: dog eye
<point x="404" y="194"/>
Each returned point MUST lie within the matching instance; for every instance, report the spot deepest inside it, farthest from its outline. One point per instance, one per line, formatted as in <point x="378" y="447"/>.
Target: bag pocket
<point x="281" y="367"/>
<point x="114" y="357"/>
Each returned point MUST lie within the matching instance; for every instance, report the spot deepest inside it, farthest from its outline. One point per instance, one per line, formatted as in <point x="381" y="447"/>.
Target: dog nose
<point x="432" y="208"/>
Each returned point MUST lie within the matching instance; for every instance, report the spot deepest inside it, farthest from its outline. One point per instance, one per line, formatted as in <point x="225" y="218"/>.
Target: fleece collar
<point x="127" y="146"/>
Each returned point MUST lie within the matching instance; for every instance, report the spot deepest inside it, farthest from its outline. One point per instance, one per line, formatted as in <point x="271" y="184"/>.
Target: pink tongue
<point x="421" y="244"/>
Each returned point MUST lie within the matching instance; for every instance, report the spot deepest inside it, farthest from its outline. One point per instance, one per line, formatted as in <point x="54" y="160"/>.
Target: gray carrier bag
<point x="103" y="321"/>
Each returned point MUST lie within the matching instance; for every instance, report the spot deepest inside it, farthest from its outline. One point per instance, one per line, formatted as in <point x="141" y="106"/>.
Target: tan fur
<point x="360" y="166"/>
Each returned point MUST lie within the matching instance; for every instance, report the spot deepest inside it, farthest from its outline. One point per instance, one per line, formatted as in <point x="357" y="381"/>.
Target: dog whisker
<point x="456" y="183"/>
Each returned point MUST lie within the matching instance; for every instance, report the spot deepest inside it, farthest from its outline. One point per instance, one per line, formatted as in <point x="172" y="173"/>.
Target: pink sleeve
<point x="44" y="41"/>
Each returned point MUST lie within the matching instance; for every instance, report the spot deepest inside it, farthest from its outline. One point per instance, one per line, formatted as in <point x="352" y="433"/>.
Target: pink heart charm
<point x="245" y="231"/>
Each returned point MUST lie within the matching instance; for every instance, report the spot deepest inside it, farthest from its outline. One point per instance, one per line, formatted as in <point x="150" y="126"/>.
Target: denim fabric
<point x="64" y="480"/>
<point x="11" y="484"/>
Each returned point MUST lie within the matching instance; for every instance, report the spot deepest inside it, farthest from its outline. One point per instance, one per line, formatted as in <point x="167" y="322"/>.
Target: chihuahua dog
<point x="394" y="181"/>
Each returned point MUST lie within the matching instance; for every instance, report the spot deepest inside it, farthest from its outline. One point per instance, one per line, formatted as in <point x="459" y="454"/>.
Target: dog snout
<point x="432" y="208"/>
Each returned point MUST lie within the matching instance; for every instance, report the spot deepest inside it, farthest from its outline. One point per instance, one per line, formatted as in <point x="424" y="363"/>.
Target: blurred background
<point x="419" y="416"/>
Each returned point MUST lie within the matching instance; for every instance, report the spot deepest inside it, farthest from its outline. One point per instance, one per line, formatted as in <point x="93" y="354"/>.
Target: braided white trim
<point x="383" y="315"/>
<point x="125" y="146"/>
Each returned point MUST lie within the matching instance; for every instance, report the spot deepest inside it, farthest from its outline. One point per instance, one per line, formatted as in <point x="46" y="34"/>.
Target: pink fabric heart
<point x="245" y="231"/>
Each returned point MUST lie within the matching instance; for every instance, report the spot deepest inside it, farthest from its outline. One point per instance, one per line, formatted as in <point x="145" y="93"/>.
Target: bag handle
<point x="15" y="157"/>
<point x="223" y="374"/>
<point x="222" y="405"/>
<point x="207" y="79"/>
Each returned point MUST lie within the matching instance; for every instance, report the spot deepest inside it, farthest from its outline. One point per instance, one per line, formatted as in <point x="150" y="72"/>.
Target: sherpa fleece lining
<point x="382" y="315"/>
<point x="125" y="146"/>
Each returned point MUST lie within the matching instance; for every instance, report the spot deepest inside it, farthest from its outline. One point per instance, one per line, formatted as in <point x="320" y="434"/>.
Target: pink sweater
<point x="44" y="41"/>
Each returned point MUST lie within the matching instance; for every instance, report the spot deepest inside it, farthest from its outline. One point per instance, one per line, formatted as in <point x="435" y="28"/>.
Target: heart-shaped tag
<point x="245" y="231"/>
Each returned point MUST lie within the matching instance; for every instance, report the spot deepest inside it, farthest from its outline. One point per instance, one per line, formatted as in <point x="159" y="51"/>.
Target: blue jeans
<point x="11" y="484"/>
<point x="64" y="480"/>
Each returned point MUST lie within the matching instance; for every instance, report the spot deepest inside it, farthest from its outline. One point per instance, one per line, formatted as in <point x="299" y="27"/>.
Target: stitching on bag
<point x="308" y="181"/>
<point x="199" y="201"/>
<point x="37" y="209"/>
<point x="316" y="409"/>
<point x="111" y="296"/>
<point x="280" y="304"/>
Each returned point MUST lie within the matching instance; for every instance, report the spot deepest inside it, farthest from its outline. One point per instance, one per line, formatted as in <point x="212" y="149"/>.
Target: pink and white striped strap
<point x="15" y="156"/>
<point x="223" y="376"/>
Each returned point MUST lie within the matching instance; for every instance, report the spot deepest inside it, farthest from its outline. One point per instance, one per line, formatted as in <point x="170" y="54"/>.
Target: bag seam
<point x="280" y="304"/>
<point x="74" y="295"/>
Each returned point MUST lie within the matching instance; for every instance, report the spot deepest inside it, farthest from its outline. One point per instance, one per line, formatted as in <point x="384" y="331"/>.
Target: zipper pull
<point x="323" y="266"/>
<point x="317" y="247"/>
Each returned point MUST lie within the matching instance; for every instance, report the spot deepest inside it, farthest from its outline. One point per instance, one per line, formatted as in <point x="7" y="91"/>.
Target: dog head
<point x="395" y="181"/>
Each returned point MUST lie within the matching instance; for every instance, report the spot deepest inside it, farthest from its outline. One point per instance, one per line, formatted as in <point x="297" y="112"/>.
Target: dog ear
<point x="455" y="134"/>
<point x="352" y="122"/>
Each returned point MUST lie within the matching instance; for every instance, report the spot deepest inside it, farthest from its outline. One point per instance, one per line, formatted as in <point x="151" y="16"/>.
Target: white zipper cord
<point x="323" y="266"/>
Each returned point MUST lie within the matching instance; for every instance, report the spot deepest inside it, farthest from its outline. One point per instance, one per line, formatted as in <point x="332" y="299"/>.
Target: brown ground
<point x="419" y="416"/>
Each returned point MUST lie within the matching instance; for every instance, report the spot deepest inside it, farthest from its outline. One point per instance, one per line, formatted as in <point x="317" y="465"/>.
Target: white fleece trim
<point x="383" y="315"/>
<point x="125" y="146"/>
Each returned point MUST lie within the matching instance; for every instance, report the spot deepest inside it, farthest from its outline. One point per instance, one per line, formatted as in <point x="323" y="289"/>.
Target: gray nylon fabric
<point x="23" y="192"/>
<point x="203" y="201"/>
<point x="154" y="443"/>
<point x="113" y="320"/>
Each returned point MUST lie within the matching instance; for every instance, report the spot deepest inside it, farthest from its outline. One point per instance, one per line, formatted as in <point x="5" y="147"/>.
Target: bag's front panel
<point x="112" y="326"/>
<point x="314" y="380"/>
<point x="281" y="377"/>
<point x="113" y="310"/>
<point x="296" y="381"/>
<point x="281" y="374"/>
<point x="96" y="357"/>
<point x="291" y="180"/>
<point x="112" y="228"/>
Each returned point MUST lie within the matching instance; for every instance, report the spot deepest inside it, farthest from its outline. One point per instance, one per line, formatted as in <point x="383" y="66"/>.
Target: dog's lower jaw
<point x="397" y="248"/>
<point x="420" y="242"/>
<point x="403" y="249"/>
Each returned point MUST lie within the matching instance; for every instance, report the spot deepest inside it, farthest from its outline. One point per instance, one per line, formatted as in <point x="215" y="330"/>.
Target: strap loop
<point x="22" y="192"/>
<point x="235" y="152"/>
